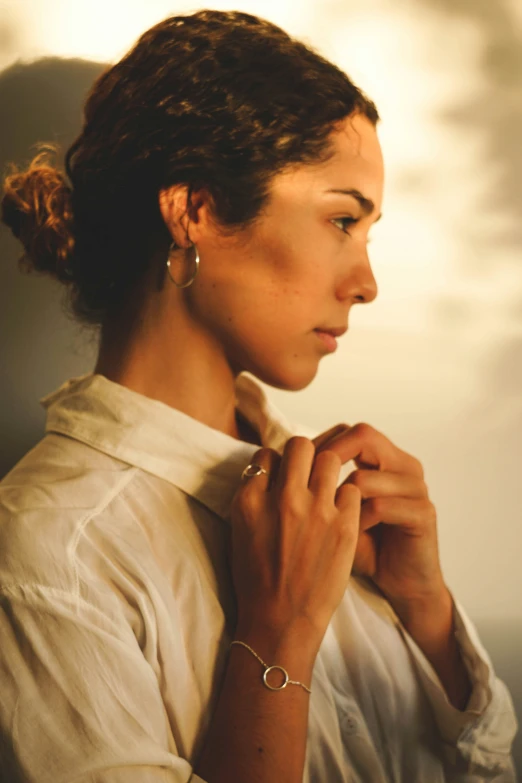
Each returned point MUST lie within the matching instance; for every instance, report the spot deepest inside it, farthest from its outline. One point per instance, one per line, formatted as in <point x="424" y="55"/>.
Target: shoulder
<point x="46" y="501"/>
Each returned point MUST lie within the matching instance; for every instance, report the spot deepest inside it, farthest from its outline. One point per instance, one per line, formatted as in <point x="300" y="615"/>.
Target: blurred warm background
<point x="436" y="361"/>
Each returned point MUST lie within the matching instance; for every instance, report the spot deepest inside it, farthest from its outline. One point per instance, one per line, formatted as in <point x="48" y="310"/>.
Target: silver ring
<point x="253" y="470"/>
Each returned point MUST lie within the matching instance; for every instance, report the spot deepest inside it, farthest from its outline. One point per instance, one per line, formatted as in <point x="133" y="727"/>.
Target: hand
<point x="397" y="546"/>
<point x="293" y="540"/>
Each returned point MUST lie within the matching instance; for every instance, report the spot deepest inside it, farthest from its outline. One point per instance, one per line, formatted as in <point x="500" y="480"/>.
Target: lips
<point x="327" y="339"/>
<point x="336" y="331"/>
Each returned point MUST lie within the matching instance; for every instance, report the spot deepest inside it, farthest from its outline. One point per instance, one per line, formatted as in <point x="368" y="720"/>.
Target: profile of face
<point x="262" y="294"/>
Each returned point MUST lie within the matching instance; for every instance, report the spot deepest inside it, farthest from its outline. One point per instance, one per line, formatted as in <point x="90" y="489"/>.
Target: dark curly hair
<point x="221" y="100"/>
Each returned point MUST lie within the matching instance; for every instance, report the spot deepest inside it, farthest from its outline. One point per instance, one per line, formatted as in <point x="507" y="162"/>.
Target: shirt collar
<point x="161" y="440"/>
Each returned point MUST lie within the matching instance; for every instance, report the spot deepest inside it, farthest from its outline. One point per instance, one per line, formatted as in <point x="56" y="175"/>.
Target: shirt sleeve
<point x="78" y="700"/>
<point x="476" y="742"/>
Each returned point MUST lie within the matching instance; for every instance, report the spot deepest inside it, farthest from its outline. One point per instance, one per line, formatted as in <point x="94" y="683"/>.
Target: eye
<point x="347" y="221"/>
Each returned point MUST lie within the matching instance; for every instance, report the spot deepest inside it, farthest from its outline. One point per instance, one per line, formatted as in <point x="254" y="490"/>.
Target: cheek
<point x="289" y="297"/>
<point x="297" y="274"/>
<point x="261" y="316"/>
<point x="281" y="285"/>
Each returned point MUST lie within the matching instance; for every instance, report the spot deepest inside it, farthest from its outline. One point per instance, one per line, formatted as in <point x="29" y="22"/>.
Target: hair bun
<point x="36" y="206"/>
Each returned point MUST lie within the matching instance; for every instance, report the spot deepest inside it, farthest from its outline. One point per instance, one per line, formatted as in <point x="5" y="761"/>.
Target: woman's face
<point x="265" y="292"/>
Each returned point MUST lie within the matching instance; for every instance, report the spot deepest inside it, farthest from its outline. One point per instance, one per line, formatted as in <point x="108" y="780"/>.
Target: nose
<point x="359" y="283"/>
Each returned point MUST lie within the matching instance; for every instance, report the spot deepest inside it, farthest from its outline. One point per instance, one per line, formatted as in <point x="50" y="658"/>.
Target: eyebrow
<point x="366" y="204"/>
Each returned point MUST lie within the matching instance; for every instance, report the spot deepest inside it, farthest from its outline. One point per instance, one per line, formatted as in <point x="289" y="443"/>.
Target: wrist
<point x="416" y="609"/>
<point x="291" y="647"/>
<point x="429" y="620"/>
<point x="431" y="625"/>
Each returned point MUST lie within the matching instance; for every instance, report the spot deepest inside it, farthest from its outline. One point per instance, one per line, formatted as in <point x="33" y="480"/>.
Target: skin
<point x="257" y="299"/>
<point x="298" y="268"/>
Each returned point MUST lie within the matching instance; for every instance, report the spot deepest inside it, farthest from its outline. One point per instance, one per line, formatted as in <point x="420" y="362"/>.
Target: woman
<point x="189" y="589"/>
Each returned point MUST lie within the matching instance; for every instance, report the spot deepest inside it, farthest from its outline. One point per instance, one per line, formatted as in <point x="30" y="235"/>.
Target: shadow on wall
<point x="39" y="345"/>
<point x="492" y="112"/>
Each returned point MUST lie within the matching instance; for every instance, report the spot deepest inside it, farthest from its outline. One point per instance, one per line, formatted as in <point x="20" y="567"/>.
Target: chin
<point x="284" y="378"/>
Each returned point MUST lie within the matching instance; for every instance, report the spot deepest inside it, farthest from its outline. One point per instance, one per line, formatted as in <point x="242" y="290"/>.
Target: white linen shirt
<point x="117" y="610"/>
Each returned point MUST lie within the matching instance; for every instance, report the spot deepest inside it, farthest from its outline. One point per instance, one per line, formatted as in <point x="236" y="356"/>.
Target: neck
<point x="169" y="360"/>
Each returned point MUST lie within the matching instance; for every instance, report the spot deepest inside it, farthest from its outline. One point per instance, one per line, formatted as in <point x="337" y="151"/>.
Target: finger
<point x="321" y="441"/>
<point x="267" y="459"/>
<point x="348" y="504"/>
<point x="324" y="476"/>
<point x="348" y="501"/>
<point x="250" y="499"/>
<point x="296" y="463"/>
<point x="414" y="515"/>
<point x="371" y="449"/>
<point x="385" y="483"/>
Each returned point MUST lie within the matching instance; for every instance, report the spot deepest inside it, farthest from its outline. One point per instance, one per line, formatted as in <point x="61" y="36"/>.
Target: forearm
<point x="430" y="624"/>
<point x="257" y="735"/>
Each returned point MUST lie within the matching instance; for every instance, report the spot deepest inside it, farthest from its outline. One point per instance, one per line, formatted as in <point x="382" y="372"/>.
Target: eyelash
<point x="349" y="220"/>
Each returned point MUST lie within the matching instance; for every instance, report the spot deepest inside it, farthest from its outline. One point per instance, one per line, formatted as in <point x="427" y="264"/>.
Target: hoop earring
<point x="174" y="246"/>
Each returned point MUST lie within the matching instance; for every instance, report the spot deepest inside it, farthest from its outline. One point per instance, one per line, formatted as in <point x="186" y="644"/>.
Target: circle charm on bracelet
<point x="253" y="470"/>
<point x="277" y="687"/>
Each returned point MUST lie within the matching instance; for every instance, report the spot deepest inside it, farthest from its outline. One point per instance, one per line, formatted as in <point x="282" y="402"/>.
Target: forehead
<point x="356" y="164"/>
<point x="356" y="143"/>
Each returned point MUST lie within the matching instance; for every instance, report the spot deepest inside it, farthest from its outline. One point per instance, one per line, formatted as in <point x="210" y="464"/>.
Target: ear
<point x="173" y="207"/>
<point x="180" y="215"/>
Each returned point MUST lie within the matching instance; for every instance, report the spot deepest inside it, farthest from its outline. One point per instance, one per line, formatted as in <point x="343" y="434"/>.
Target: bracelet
<point x="287" y="680"/>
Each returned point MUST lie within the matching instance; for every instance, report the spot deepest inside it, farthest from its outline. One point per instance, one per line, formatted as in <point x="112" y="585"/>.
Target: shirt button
<point x="349" y="723"/>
